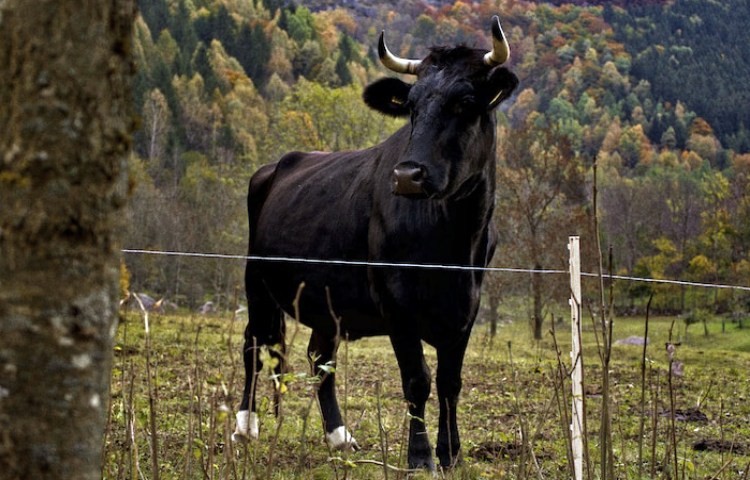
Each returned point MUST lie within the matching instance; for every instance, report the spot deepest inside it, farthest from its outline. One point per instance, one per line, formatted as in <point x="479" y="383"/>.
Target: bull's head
<point x="452" y="126"/>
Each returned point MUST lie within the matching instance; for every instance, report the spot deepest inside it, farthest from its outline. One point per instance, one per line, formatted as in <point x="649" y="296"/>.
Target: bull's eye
<point x="464" y="105"/>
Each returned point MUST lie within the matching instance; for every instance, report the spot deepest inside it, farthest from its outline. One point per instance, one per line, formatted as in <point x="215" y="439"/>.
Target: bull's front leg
<point x="450" y="361"/>
<point x="321" y="352"/>
<point x="415" y="379"/>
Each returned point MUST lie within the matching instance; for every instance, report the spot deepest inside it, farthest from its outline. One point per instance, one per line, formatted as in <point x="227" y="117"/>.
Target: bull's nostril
<point x="408" y="174"/>
<point x="408" y="179"/>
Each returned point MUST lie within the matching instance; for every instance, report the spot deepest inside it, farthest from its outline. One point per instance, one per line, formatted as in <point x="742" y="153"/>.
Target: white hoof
<point x="247" y="426"/>
<point x="341" y="439"/>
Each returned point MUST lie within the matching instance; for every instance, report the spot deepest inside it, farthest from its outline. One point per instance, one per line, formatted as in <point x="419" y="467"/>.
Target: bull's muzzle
<point x="408" y="179"/>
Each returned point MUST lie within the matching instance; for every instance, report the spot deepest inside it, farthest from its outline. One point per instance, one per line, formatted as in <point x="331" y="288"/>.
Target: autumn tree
<point x="740" y="201"/>
<point x="65" y="128"/>
<point x="539" y="195"/>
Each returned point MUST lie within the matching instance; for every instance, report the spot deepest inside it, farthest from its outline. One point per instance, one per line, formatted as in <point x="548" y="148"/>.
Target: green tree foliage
<point x="314" y="117"/>
<point x="201" y="64"/>
<point x="348" y="52"/>
<point x="212" y="110"/>
<point x="253" y="51"/>
<point x="182" y="29"/>
<point x="156" y="14"/>
<point x="300" y="26"/>
<point x="693" y="51"/>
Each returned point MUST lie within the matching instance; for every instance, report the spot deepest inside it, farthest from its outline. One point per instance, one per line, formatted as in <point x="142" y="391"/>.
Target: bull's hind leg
<point x="321" y="350"/>
<point x="278" y="355"/>
<point x="265" y="327"/>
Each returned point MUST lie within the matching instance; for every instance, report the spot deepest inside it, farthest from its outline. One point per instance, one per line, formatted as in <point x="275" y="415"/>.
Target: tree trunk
<point x="65" y="126"/>
<point x="494" y="305"/>
<point x="536" y="293"/>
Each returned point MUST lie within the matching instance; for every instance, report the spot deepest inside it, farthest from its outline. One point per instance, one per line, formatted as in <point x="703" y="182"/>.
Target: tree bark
<point x="538" y="304"/>
<point x="494" y="305"/>
<point x="65" y="127"/>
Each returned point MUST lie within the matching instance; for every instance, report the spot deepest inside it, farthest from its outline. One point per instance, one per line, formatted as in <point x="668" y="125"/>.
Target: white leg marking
<point x="341" y="439"/>
<point x="247" y="426"/>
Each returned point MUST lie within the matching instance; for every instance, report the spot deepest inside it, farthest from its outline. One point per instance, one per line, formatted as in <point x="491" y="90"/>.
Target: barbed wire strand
<point x="363" y="263"/>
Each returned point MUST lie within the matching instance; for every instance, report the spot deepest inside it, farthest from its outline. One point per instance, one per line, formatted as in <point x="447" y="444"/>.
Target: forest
<point x="646" y="97"/>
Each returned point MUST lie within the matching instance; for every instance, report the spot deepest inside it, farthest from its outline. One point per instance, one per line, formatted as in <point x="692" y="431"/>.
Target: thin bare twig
<point x="386" y="466"/>
<point x="151" y="396"/>
<point x="723" y="467"/>
<point x="654" y="421"/>
<point x="381" y="431"/>
<point x="279" y="404"/>
<point x="560" y="375"/>
<point x="673" y="428"/>
<point x="643" y="390"/>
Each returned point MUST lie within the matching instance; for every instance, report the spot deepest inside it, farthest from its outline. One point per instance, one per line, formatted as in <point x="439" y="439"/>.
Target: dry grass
<point x="196" y="374"/>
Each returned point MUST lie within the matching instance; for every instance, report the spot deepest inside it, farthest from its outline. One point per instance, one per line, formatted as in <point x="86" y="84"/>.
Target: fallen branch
<point x="374" y="462"/>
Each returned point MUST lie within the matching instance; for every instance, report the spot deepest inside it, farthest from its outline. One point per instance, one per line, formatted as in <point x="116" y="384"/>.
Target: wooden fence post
<point x="576" y="426"/>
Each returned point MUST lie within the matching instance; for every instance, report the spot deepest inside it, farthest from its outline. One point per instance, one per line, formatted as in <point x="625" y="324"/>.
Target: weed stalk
<point x="124" y="406"/>
<point x="188" y="470"/>
<point x="643" y="390"/>
<point x="381" y="431"/>
<point x="605" y="428"/>
<point x="523" y="429"/>
<point x="654" y="421"/>
<point x="672" y="427"/>
<point x="151" y="396"/>
<point x="279" y="404"/>
<point x="132" y="443"/>
<point x="404" y="438"/>
<point x="562" y="400"/>
<point x="211" y="437"/>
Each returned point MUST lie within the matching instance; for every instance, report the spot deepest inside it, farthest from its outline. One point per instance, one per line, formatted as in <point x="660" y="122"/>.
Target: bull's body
<point x="423" y="196"/>
<point x="330" y="206"/>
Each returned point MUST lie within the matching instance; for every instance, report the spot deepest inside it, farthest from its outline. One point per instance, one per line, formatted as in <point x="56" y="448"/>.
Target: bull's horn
<point x="392" y="62"/>
<point x="500" y="48"/>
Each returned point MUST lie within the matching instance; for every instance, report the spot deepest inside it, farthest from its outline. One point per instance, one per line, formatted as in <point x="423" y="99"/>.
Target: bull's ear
<point x="389" y="96"/>
<point x="500" y="85"/>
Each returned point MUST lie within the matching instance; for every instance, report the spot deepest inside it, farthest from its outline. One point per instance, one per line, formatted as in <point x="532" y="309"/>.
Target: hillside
<point x="225" y="86"/>
<point x="693" y="51"/>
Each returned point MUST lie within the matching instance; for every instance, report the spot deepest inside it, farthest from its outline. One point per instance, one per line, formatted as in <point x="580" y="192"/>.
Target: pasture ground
<point x="177" y="415"/>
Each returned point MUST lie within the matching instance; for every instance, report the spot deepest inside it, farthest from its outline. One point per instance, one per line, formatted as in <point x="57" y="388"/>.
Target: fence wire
<point x="427" y="266"/>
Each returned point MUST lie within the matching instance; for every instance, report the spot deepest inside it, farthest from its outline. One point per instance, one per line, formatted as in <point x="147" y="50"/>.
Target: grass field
<point x="175" y="392"/>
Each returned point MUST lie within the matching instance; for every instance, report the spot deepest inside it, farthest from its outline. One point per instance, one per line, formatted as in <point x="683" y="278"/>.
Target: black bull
<point x="425" y="195"/>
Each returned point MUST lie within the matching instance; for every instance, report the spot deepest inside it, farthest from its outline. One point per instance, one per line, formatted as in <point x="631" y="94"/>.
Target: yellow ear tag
<point x="396" y="101"/>
<point x="492" y="102"/>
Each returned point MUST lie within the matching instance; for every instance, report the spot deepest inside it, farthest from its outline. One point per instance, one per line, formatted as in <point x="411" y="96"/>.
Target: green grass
<point x="196" y="365"/>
